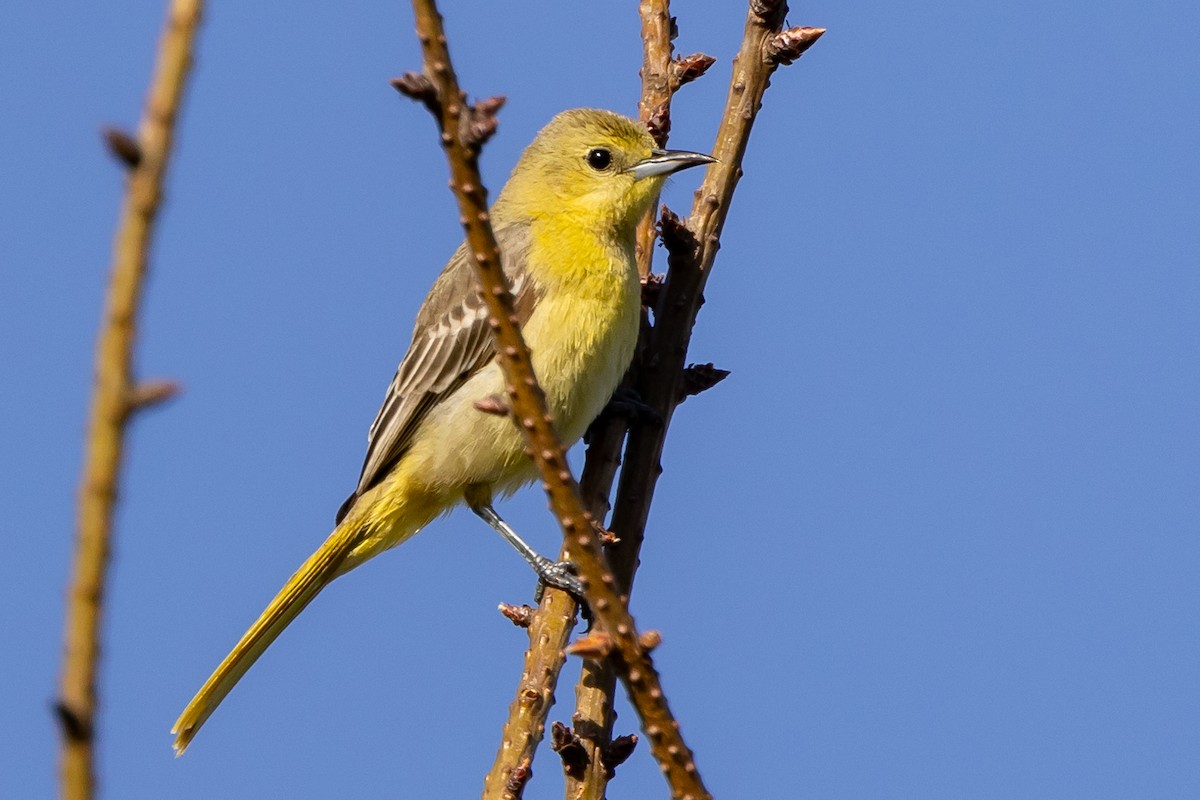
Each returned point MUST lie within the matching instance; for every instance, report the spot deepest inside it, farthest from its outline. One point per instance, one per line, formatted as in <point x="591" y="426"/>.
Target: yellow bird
<point x="565" y="225"/>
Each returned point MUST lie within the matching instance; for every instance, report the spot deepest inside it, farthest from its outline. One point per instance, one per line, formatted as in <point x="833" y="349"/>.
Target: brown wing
<point x="451" y="342"/>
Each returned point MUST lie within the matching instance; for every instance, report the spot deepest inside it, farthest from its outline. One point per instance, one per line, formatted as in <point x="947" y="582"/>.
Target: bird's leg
<point x="558" y="574"/>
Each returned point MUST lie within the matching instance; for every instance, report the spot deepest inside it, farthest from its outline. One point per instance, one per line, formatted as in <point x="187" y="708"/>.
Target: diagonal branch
<point x="457" y="122"/>
<point x="116" y="395"/>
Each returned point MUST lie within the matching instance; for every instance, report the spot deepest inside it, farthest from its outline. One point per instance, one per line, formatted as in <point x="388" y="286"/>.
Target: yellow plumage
<point x="565" y="224"/>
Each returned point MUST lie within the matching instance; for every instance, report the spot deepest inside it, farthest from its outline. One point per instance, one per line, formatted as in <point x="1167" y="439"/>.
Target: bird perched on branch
<point x="565" y="225"/>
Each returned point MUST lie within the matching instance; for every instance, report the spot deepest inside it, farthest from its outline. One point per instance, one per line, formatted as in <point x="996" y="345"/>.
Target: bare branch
<point x="654" y="107"/>
<point x="659" y="375"/>
<point x="661" y="77"/>
<point x="115" y="394"/>
<point x="529" y="408"/>
<point x="692" y="249"/>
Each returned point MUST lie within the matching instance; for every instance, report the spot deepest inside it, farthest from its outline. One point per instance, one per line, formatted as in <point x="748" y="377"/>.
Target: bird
<point x="565" y="222"/>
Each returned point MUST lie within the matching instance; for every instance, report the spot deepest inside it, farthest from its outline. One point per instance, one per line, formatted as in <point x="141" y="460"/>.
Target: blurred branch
<point x="116" y="395"/>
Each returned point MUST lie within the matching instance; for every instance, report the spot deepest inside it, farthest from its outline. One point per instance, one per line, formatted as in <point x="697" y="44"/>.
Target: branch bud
<point x="123" y="146"/>
<point x="596" y="645"/>
<point x="787" y="46"/>
<point x="700" y="377"/>
<point x="417" y="86"/>
<point x="685" y="69"/>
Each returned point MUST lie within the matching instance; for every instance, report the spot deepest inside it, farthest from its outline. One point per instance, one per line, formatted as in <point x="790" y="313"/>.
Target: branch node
<point x="617" y="752"/>
<point x="676" y="236"/>
<point x="481" y="122"/>
<point x="659" y="122"/>
<point x="514" y="787"/>
<point x="652" y="288"/>
<point x="606" y="537"/>
<point x="649" y="640"/>
<point x="596" y="645"/>
<point x="494" y="404"/>
<point x="765" y="9"/>
<point x="520" y="615"/>
<point x="123" y="146"/>
<point x="150" y="393"/>
<point x="74" y="726"/>
<point x="786" y="46"/>
<point x="570" y="749"/>
<point x="416" y="86"/>
<point x="685" y="69"/>
<point x="698" y="378"/>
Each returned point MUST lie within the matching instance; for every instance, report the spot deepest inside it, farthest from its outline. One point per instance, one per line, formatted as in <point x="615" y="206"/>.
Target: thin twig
<point x="594" y="715"/>
<point x="654" y="107"/>
<point x="661" y="378"/>
<point x="692" y="249"/>
<point x="528" y="404"/>
<point x="116" y="396"/>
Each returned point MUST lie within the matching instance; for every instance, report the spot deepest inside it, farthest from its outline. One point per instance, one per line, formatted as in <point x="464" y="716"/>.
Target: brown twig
<point x="459" y="124"/>
<point x="660" y="376"/>
<point x="116" y="396"/>
<point x="692" y="249"/>
<point x="654" y="107"/>
<point x="593" y="718"/>
<point x="661" y="78"/>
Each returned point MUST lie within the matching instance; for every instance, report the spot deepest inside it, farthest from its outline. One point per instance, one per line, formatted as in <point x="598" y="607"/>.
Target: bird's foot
<point x="628" y="404"/>
<point x="560" y="575"/>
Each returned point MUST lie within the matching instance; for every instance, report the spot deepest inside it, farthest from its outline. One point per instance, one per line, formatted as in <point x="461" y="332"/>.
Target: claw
<point x="560" y="575"/>
<point x="625" y="403"/>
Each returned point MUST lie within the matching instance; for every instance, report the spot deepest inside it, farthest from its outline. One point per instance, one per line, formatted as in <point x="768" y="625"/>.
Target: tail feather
<point x="320" y="568"/>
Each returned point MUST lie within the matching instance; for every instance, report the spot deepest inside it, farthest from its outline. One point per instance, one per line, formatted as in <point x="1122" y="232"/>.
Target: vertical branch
<point x="692" y="248"/>
<point x="463" y="130"/>
<point x="654" y="107"/>
<point x="594" y="716"/>
<point x="115" y="396"/>
<point x="659" y="374"/>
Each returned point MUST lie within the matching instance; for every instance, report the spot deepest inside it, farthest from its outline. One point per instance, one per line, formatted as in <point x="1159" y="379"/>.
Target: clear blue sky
<point x="936" y="536"/>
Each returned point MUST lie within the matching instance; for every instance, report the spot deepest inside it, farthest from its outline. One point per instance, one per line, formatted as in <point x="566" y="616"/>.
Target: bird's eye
<point x="599" y="159"/>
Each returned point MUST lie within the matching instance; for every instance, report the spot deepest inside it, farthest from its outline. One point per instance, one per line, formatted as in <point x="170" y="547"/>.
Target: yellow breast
<point x="585" y="326"/>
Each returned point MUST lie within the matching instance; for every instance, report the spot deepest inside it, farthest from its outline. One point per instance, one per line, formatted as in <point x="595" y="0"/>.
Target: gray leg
<point x="555" y="574"/>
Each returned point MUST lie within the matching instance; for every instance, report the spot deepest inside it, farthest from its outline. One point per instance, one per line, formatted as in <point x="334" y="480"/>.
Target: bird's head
<point x="594" y="167"/>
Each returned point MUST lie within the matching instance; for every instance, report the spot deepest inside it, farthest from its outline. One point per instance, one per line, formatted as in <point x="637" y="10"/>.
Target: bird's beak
<point x="666" y="162"/>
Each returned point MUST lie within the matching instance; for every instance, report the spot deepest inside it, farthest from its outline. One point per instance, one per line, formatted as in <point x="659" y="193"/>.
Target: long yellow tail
<point x="320" y="568"/>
